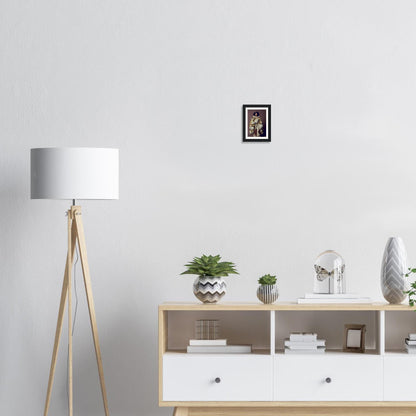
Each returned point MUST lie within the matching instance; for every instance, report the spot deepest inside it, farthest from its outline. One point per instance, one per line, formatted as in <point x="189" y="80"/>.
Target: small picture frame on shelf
<point x="354" y="338"/>
<point x="257" y="123"/>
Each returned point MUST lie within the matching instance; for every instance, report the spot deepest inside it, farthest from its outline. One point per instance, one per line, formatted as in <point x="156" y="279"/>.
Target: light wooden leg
<point x="88" y="289"/>
<point x="181" y="411"/>
<point x="69" y="273"/>
<point x="64" y="293"/>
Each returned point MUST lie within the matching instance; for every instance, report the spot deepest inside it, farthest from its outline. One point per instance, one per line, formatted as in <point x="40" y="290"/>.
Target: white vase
<point x="393" y="270"/>
<point x="267" y="293"/>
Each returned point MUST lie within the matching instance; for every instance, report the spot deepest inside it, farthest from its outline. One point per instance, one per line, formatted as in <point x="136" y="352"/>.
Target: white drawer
<point x="399" y="377"/>
<point x="191" y="377"/>
<point x="328" y="377"/>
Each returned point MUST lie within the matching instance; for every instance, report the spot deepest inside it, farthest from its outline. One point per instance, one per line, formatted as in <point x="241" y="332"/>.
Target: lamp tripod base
<point x="75" y="235"/>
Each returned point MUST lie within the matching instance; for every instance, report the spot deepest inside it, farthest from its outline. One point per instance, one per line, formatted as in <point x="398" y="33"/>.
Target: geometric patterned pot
<point x="393" y="269"/>
<point x="209" y="289"/>
<point x="267" y="293"/>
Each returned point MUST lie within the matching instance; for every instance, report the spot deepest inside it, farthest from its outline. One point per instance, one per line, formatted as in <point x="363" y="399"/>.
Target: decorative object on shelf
<point x="411" y="293"/>
<point x="257" y="123"/>
<point x="207" y="329"/>
<point x="354" y="338"/>
<point x="267" y="291"/>
<point x="209" y="287"/>
<point x="410" y="344"/>
<point x="329" y="273"/>
<point x="207" y="340"/>
<point x="304" y="343"/>
<point x="393" y="271"/>
<point x="74" y="173"/>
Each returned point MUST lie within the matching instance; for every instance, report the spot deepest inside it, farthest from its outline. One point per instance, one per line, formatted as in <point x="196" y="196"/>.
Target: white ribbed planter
<point x="267" y="293"/>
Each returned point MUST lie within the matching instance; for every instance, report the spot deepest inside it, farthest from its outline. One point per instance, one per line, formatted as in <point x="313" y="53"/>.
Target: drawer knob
<point x="217" y="380"/>
<point x="328" y="380"/>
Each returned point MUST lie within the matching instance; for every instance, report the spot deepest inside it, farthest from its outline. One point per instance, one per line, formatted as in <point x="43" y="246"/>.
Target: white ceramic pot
<point x="209" y="289"/>
<point x="267" y="293"/>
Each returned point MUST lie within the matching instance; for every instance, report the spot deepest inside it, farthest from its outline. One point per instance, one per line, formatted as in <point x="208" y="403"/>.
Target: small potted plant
<point x="209" y="287"/>
<point x="267" y="291"/>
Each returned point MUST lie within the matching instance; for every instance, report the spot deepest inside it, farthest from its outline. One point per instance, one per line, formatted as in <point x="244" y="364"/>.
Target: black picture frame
<point x="257" y="131"/>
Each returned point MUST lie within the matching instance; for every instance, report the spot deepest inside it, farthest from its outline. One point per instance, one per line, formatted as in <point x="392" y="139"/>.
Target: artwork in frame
<point x="354" y="338"/>
<point x="257" y="123"/>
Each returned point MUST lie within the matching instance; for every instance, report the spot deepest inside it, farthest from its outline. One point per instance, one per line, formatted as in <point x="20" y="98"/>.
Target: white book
<point x="410" y="349"/>
<point x="303" y="336"/>
<point x="412" y="337"/>
<point x="301" y="347"/>
<point x="410" y="342"/>
<point x="304" y="344"/>
<point x="312" y="301"/>
<point x="207" y="342"/>
<point x="219" y="349"/>
<point x="320" y="350"/>
<point x="332" y="296"/>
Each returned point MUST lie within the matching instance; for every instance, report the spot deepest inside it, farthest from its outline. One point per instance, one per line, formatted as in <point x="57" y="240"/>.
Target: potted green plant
<point x="267" y="291"/>
<point x="411" y="293"/>
<point x="209" y="287"/>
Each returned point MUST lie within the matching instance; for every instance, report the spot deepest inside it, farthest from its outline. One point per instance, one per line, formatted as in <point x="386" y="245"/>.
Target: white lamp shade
<point x="74" y="173"/>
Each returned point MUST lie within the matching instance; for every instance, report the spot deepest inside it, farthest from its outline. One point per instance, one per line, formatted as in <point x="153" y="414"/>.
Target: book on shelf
<point x="319" y="350"/>
<point x="411" y="349"/>
<point x="218" y="349"/>
<point x="302" y="347"/>
<point x="207" y="342"/>
<point x="304" y="344"/>
<point x="303" y="336"/>
<point x="410" y="342"/>
<point x="332" y="296"/>
<point x="412" y="337"/>
<point x="334" y="300"/>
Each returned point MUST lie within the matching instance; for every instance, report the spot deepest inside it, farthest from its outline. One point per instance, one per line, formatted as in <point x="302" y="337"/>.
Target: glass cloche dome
<point x="329" y="273"/>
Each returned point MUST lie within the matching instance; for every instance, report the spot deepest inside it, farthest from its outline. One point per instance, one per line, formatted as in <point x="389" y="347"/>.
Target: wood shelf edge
<point x="288" y="404"/>
<point x="283" y="306"/>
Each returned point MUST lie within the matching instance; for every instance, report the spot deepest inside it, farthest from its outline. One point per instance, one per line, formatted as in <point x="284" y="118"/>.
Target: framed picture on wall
<point x="257" y="123"/>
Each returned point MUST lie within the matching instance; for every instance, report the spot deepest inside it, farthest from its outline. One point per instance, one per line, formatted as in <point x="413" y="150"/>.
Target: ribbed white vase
<point x="393" y="269"/>
<point x="267" y="293"/>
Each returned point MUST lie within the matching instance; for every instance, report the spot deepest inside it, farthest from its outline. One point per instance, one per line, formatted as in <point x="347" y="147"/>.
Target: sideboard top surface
<point x="282" y="306"/>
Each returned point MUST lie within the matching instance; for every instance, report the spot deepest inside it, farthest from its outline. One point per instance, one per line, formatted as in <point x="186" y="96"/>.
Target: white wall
<point x="165" y="81"/>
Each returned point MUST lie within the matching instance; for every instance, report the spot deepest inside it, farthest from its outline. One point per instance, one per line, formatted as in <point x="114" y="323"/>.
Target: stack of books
<point x="304" y="343"/>
<point x="411" y="344"/>
<point x="215" y="346"/>
<point x="333" y="298"/>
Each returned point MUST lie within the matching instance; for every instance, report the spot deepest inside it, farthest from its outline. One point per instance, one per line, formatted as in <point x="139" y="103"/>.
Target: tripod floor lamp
<point x="74" y="173"/>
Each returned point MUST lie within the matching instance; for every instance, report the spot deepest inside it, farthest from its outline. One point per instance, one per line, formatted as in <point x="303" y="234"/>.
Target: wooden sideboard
<point x="269" y="382"/>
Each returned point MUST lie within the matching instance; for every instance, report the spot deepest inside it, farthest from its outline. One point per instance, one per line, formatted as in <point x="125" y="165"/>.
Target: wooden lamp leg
<point x="90" y="300"/>
<point x="75" y="232"/>
<point x="62" y="304"/>
<point x="69" y="272"/>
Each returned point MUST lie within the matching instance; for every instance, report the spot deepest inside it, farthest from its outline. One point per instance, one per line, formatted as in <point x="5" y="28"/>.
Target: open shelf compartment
<point x="398" y="325"/>
<point x="237" y="327"/>
<point x="329" y="326"/>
